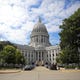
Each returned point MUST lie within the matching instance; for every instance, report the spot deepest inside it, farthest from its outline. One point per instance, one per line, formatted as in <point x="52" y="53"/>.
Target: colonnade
<point x="39" y="39"/>
<point x="39" y="55"/>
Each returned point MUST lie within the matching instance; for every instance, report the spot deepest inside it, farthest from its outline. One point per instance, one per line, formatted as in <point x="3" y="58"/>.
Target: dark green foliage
<point x="19" y="57"/>
<point x="4" y="43"/>
<point x="11" y="56"/>
<point x="70" y="66"/>
<point x="70" y="29"/>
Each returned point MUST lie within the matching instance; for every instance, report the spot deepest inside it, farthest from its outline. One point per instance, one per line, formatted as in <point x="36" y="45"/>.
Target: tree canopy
<point x="70" y="41"/>
<point x="10" y="55"/>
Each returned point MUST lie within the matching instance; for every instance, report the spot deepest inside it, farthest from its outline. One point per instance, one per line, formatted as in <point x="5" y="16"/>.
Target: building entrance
<point x="39" y="58"/>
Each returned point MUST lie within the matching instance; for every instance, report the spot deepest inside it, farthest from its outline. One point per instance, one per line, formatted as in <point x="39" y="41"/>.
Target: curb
<point x="9" y="72"/>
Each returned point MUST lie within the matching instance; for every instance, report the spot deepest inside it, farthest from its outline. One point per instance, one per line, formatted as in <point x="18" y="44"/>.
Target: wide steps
<point x="41" y="68"/>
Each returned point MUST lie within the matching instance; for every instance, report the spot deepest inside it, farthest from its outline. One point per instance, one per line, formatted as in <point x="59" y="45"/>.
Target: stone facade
<point x="39" y="51"/>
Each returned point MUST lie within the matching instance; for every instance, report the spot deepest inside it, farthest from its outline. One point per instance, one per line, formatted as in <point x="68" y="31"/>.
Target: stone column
<point x="38" y="38"/>
<point x="55" y="56"/>
<point x="43" y="39"/>
<point x="30" y="56"/>
<point x="33" y="39"/>
<point x="34" y="53"/>
<point x="41" y="55"/>
<point x="38" y="55"/>
<point x="52" y="57"/>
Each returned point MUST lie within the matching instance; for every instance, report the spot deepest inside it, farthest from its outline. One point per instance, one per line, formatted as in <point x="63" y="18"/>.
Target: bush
<point x="69" y="67"/>
<point x="72" y="66"/>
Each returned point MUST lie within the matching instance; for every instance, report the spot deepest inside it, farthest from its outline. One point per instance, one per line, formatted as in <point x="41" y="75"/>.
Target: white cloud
<point x="70" y="10"/>
<point x="17" y="36"/>
<point x="17" y="17"/>
<point x="54" y="28"/>
<point x="12" y="15"/>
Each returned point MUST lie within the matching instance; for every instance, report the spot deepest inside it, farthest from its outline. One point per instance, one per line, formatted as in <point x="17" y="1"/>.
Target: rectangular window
<point x="28" y="55"/>
<point x="47" y="55"/>
<point x="25" y="54"/>
<point x="50" y="55"/>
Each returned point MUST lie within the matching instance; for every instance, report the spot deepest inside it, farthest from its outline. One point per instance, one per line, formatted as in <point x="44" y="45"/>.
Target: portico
<point x="39" y="57"/>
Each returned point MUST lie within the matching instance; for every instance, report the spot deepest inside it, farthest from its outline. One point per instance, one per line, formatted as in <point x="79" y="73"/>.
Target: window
<point x="47" y="55"/>
<point x="36" y="39"/>
<point x="22" y="51"/>
<point x="28" y="55"/>
<point x="50" y="59"/>
<point x="31" y="55"/>
<point x="39" y="54"/>
<point x="56" y="54"/>
<point x="25" y="54"/>
<point x="42" y="39"/>
<point x="50" y="55"/>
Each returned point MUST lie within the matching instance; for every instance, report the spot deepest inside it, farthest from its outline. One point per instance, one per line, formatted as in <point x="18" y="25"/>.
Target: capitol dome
<point x="39" y="29"/>
<point x="39" y="35"/>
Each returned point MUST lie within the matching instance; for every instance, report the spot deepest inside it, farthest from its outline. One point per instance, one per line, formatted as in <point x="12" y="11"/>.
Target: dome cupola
<point x="39" y="29"/>
<point x="39" y="35"/>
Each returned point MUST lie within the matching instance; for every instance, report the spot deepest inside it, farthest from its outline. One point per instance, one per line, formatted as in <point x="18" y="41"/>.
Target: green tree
<point x="5" y="43"/>
<point x="70" y="29"/>
<point x="1" y="47"/>
<point x="19" y="57"/>
<point x="2" y="57"/>
<point x="10" y="54"/>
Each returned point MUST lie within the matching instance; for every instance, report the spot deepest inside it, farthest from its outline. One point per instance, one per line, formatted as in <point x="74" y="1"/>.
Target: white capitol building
<point x="39" y="51"/>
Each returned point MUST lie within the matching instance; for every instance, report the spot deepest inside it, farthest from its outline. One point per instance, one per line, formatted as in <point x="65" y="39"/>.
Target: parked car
<point x="53" y="67"/>
<point x="28" y="67"/>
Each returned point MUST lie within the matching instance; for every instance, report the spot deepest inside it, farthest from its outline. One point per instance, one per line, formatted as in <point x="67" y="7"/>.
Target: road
<point x="41" y="73"/>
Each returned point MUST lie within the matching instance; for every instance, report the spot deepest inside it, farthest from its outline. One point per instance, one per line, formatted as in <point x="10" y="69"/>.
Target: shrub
<point x="72" y="66"/>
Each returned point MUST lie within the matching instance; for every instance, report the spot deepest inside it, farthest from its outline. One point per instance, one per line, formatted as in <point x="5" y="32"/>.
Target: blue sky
<point x="17" y="18"/>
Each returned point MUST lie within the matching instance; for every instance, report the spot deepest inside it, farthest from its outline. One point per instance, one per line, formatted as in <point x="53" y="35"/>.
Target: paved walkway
<point x="42" y="73"/>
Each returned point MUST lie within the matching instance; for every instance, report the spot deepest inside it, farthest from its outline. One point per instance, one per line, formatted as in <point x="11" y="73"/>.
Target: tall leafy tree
<point x="10" y="53"/>
<point x="19" y="57"/>
<point x="4" y="43"/>
<point x="2" y="57"/>
<point x="70" y="29"/>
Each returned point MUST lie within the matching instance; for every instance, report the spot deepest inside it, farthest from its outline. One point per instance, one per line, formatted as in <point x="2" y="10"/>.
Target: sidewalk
<point x="9" y="71"/>
<point x="69" y="70"/>
<point x="40" y="69"/>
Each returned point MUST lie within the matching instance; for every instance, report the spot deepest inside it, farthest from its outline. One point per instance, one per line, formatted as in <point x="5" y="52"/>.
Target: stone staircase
<point x="41" y="68"/>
